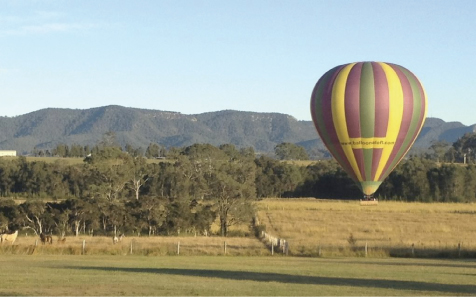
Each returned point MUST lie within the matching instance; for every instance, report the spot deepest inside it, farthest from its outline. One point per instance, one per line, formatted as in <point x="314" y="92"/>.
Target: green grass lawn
<point x="232" y="276"/>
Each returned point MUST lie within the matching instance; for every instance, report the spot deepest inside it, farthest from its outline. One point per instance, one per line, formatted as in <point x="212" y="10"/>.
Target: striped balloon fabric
<point x="368" y="115"/>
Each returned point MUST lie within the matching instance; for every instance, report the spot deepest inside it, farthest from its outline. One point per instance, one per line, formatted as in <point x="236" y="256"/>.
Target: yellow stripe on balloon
<point x="338" y="117"/>
<point x="395" y="116"/>
<point x="426" y="109"/>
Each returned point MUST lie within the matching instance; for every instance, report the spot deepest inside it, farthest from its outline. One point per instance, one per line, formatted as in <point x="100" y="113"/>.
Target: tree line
<point x="118" y="190"/>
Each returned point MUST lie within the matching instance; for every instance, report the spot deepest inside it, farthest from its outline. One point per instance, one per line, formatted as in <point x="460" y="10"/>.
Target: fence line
<point x="232" y="247"/>
<point x="276" y="244"/>
<point x="279" y="243"/>
<point x="136" y="247"/>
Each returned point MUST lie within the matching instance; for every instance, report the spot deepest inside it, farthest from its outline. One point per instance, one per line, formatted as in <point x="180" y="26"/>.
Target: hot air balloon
<point x="368" y="114"/>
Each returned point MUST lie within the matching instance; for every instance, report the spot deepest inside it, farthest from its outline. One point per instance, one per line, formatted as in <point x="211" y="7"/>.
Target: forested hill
<point x="46" y="128"/>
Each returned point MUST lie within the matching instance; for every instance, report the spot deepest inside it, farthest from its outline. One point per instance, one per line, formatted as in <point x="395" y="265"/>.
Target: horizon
<point x="191" y="114"/>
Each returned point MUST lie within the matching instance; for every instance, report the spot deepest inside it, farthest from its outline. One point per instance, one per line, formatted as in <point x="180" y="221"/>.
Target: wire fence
<point x="268" y="245"/>
<point x="149" y="246"/>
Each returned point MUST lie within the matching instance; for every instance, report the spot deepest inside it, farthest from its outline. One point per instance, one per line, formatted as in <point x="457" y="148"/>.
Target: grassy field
<point x="147" y="246"/>
<point x="73" y="161"/>
<point x="202" y="268"/>
<point x="303" y="163"/>
<point x="232" y="276"/>
<point x="312" y="228"/>
<point x="69" y="161"/>
<point x="390" y="228"/>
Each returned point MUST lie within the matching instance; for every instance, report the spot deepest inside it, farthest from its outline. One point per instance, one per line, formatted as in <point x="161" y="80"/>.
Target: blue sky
<point x="199" y="56"/>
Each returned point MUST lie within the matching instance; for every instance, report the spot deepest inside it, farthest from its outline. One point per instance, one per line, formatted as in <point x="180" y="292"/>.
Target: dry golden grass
<point x="153" y="246"/>
<point x="312" y="227"/>
<point x="310" y="223"/>
<point x="304" y="163"/>
<point x="240" y="230"/>
<point x="66" y="161"/>
<point x="75" y="160"/>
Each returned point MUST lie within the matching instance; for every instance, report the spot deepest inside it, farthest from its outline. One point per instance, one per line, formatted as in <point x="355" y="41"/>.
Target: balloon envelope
<point x="368" y="114"/>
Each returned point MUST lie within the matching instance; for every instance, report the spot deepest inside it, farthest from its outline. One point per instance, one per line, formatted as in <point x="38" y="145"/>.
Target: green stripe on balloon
<point x="367" y="101"/>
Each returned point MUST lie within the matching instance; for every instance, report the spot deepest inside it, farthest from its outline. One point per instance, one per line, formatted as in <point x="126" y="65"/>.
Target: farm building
<point x="8" y="153"/>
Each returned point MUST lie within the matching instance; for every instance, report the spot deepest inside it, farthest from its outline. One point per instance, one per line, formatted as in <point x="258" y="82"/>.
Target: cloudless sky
<point x="194" y="56"/>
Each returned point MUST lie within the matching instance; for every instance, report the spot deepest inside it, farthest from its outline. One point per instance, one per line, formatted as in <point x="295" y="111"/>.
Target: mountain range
<point x="46" y="128"/>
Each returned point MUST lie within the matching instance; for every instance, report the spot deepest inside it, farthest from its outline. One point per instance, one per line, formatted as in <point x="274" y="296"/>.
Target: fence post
<point x="178" y="248"/>
<point x="286" y="247"/>
<point x="272" y="248"/>
<point x="131" y="246"/>
<point x="413" y="249"/>
<point x="84" y="246"/>
<point x="366" y="248"/>
<point x="459" y="249"/>
<point x="224" y="247"/>
<point x="319" y="252"/>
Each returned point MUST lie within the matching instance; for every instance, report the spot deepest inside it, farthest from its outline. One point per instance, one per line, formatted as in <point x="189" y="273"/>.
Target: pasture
<point x="343" y="228"/>
<point x="217" y="266"/>
<point x="313" y="228"/>
<point x="232" y="276"/>
<point x="65" y="161"/>
<point x="146" y="246"/>
<point x="74" y="160"/>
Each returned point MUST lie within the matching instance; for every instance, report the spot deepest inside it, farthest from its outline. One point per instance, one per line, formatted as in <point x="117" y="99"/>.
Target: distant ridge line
<point x="46" y="128"/>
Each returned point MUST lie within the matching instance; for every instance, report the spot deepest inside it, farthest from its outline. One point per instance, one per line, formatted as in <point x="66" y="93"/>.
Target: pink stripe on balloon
<point x="352" y="101"/>
<point x="406" y="119"/>
<point x="352" y="112"/>
<point x="382" y="104"/>
<point x="329" y="125"/>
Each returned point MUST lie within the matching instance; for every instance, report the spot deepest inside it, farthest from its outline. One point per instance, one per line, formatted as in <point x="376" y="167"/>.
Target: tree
<point x="154" y="151"/>
<point x="77" y="210"/>
<point x="76" y="151"/>
<point x="232" y="189"/>
<point x="439" y="150"/>
<point x="61" y="150"/>
<point x="8" y="175"/>
<point x="274" y="178"/>
<point x="34" y="214"/>
<point x="117" y="215"/>
<point x="449" y="181"/>
<point x="150" y="213"/>
<point x="59" y="213"/>
<point x="266" y="180"/>
<point x="466" y="148"/>
<point x="290" y="151"/>
<point x="134" y="152"/>
<point x="76" y="179"/>
<point x="109" y="140"/>
<point x="138" y="174"/>
<point x="10" y="216"/>
<point x="289" y="177"/>
<point x="109" y="169"/>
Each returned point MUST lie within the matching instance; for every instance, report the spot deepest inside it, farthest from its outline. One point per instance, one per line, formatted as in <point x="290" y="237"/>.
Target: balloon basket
<point x="369" y="202"/>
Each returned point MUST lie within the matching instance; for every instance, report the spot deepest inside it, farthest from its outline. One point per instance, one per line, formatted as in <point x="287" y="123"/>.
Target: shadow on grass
<point x="442" y="263"/>
<point x="297" y="279"/>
